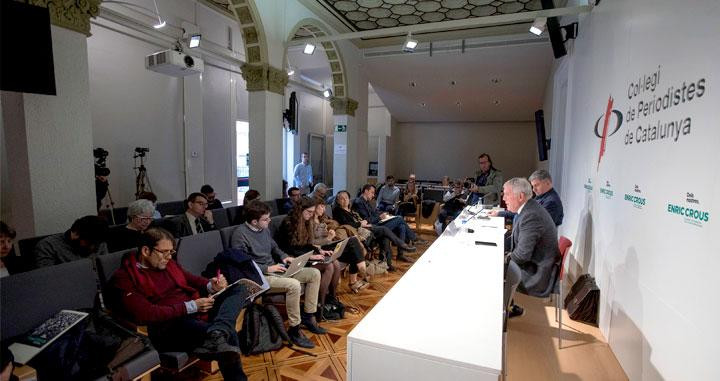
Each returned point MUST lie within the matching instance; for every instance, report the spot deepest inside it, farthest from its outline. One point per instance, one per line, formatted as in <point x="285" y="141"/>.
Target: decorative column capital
<point x="71" y="14"/>
<point x="263" y="77"/>
<point x="343" y="106"/>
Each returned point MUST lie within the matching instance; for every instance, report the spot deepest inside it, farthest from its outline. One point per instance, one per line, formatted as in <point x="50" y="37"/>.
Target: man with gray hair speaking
<point x="545" y="195"/>
<point x="533" y="244"/>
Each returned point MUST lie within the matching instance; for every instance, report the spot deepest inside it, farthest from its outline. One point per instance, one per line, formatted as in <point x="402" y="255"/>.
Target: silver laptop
<point x="337" y="252"/>
<point x="295" y="266"/>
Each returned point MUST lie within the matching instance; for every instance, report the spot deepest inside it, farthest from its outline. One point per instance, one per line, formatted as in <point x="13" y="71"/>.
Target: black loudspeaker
<point x="553" y="29"/>
<point x="542" y="142"/>
<point x="583" y="300"/>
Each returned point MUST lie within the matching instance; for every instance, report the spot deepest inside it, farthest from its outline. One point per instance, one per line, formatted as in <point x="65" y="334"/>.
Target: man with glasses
<point x="151" y="289"/>
<point x="209" y="192"/>
<point x="254" y="238"/>
<point x="140" y="215"/>
<point x="196" y="219"/>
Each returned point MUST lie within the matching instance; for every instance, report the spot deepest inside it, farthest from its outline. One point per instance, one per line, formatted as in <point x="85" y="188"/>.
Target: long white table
<point x="443" y="319"/>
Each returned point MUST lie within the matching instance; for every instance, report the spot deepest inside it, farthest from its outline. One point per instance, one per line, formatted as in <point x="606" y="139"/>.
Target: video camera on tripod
<point x="141" y="179"/>
<point x="140" y="152"/>
<point x="100" y="156"/>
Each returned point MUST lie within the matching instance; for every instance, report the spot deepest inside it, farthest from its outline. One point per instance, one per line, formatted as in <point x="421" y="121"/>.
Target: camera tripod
<point x="110" y="205"/>
<point x="141" y="179"/>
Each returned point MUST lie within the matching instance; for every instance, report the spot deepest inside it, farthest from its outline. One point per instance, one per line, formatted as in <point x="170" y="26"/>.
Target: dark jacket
<point x="535" y="248"/>
<point x="343" y="217"/>
<point x="234" y="264"/>
<point x="179" y="226"/>
<point x="366" y="210"/>
<point x="215" y="204"/>
<point x="550" y="200"/>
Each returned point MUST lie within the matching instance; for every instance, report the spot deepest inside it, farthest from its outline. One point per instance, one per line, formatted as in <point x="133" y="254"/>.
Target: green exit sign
<point x="341" y="128"/>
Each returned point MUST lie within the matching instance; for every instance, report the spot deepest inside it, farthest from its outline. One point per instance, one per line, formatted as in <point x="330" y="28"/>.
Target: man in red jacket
<point x="152" y="289"/>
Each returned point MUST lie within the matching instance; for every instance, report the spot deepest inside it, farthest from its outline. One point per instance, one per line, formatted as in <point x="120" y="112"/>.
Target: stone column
<point x="266" y="87"/>
<point x="345" y="163"/>
<point x="48" y="139"/>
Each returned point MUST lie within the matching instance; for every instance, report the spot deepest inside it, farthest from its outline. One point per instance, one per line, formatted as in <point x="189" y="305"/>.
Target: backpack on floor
<point x="262" y="330"/>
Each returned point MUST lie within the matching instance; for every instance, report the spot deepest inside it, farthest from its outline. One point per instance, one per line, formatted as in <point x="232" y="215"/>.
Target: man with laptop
<point x="254" y="238"/>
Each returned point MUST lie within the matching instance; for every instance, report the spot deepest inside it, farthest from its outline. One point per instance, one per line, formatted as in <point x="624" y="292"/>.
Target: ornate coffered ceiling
<point x="362" y="15"/>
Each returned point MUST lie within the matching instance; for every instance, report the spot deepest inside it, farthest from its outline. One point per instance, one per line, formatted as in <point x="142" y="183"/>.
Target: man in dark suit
<point x="534" y="248"/>
<point x="196" y="219"/>
<point x="545" y="195"/>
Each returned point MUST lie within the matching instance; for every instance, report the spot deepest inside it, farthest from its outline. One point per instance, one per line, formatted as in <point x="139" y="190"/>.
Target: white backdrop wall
<point x="434" y="150"/>
<point x="642" y="211"/>
<point x="133" y="107"/>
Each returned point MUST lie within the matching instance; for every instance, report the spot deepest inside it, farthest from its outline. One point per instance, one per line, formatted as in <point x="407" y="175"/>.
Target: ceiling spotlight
<point x="290" y="70"/>
<point x="309" y="49"/>
<point x="327" y="93"/>
<point x="160" y="22"/>
<point x="195" y="40"/>
<point x="538" y="26"/>
<point x="410" y="44"/>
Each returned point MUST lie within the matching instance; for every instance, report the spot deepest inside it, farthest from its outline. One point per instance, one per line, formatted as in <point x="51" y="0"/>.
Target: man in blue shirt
<point x="302" y="175"/>
<point x="389" y="196"/>
<point x="545" y="195"/>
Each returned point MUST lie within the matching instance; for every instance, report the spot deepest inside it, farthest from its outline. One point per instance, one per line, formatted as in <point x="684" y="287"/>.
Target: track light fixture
<point x="538" y="26"/>
<point x="309" y="49"/>
<point x="410" y="44"/>
<point x="327" y="93"/>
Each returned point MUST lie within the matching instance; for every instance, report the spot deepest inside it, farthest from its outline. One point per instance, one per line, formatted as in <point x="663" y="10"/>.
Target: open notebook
<point x="253" y="289"/>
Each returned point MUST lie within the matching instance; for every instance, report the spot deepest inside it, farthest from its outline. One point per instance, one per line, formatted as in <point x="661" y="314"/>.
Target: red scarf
<point x="146" y="285"/>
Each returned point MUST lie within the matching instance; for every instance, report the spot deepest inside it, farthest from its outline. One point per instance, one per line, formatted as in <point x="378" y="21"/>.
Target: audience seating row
<point x="30" y="298"/>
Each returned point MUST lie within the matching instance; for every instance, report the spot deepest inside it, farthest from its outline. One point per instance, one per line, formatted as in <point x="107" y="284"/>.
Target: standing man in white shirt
<point x="302" y="175"/>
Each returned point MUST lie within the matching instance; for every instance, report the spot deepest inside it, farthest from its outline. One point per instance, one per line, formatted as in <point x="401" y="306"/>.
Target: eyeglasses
<point x="203" y="203"/>
<point x="144" y="219"/>
<point x="165" y="253"/>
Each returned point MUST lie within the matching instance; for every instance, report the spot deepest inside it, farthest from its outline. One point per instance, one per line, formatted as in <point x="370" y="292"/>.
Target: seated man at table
<point x="545" y="195"/>
<point x="397" y="224"/>
<point x="151" y="288"/>
<point x="534" y="247"/>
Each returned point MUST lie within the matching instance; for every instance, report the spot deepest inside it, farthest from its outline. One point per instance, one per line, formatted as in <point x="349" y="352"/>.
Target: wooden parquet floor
<point x="532" y="343"/>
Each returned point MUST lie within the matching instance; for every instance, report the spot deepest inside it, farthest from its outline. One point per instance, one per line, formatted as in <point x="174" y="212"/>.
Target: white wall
<point x="655" y="268"/>
<point x="434" y="150"/>
<point x="134" y="107"/>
